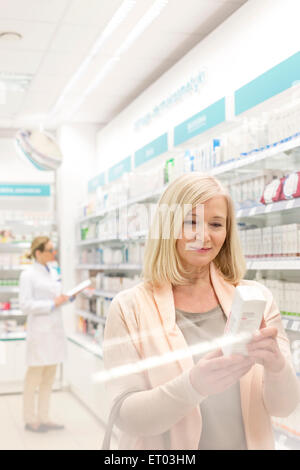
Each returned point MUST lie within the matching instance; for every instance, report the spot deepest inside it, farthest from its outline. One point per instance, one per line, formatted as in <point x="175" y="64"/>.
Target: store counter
<point x="84" y="360"/>
<point x="13" y="363"/>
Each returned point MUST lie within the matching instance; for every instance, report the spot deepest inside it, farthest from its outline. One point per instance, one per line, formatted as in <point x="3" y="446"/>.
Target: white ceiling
<point x="58" y="34"/>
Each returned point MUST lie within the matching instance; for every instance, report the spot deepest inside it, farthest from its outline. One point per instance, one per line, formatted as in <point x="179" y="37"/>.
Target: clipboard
<point x="79" y="288"/>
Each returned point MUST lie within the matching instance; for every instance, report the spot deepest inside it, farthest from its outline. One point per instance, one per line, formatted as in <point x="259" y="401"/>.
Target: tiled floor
<point x="82" y="430"/>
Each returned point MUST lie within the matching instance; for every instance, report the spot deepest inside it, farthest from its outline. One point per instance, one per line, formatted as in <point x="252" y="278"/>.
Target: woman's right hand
<point x="61" y="299"/>
<point x="214" y="372"/>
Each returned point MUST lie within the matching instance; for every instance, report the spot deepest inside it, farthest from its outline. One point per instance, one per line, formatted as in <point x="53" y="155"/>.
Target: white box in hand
<point x="245" y="318"/>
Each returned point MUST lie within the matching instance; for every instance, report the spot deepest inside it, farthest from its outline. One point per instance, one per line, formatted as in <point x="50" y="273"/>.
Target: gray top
<point x="222" y="422"/>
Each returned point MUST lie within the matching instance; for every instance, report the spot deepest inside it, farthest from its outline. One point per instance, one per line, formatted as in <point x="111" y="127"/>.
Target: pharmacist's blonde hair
<point x="161" y="260"/>
<point x="38" y="244"/>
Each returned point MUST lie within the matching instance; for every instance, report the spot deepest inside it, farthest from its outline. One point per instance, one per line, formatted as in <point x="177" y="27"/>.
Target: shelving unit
<point x="259" y="159"/>
<point x="11" y="314"/>
<point x="90" y="316"/>
<point x="110" y="267"/>
<point x="102" y="293"/>
<point x="22" y="218"/>
<point x="229" y="170"/>
<point x="274" y="264"/>
<point x="282" y="156"/>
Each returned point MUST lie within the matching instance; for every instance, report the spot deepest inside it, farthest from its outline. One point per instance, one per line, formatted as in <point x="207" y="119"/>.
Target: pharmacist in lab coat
<point x="41" y="300"/>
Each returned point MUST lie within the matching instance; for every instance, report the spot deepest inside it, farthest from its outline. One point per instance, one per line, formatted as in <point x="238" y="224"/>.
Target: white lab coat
<point x="46" y="339"/>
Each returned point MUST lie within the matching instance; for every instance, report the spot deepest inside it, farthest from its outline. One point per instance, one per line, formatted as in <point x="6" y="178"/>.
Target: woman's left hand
<point x="265" y="350"/>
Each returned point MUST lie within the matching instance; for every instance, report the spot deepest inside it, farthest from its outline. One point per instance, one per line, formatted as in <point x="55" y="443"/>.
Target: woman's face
<point x="200" y="243"/>
<point x="47" y="255"/>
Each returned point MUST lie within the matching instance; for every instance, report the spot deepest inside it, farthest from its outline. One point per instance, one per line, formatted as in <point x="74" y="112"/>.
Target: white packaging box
<point x="277" y="240"/>
<point x="290" y="238"/>
<point x="245" y="318"/>
<point x="257" y="242"/>
<point x="281" y="294"/>
<point x="295" y="239"/>
<point x="268" y="241"/>
<point x="295" y="296"/>
<point x="242" y="238"/>
<point x="292" y="298"/>
<point x="245" y="245"/>
<point x="288" y="229"/>
<point x="284" y="238"/>
<point x="287" y="300"/>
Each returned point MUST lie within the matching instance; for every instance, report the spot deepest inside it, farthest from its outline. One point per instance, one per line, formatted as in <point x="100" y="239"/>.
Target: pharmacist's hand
<point x="60" y="300"/>
<point x="214" y="372"/>
<point x="265" y="350"/>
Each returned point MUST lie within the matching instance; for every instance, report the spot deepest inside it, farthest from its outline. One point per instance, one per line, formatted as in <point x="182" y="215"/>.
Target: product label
<point x="271" y="191"/>
<point x="290" y="185"/>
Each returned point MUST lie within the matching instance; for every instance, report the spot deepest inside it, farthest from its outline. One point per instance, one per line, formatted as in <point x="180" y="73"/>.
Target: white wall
<point x="78" y="145"/>
<point x="258" y="36"/>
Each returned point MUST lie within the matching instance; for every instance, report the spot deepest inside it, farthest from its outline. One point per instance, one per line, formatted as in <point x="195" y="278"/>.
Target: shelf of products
<point x="274" y="264"/>
<point x="263" y="210"/>
<point x="100" y="293"/>
<point x="9" y="290"/>
<point x="112" y="267"/>
<point x="90" y="316"/>
<point x="21" y="220"/>
<point x="87" y="343"/>
<point x="12" y="336"/>
<point x="257" y="158"/>
<point x="11" y="313"/>
<point x="260" y="176"/>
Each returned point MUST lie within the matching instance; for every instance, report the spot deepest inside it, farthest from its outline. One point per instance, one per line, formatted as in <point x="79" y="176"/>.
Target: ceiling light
<point x="100" y="76"/>
<point x="140" y="27"/>
<point x="143" y="24"/>
<point x="116" y="20"/>
<point x="15" y="81"/>
<point x="10" y="36"/>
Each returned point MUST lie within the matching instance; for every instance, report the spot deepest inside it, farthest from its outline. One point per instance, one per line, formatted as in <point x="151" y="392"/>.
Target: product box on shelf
<point x="283" y="123"/>
<point x="286" y="294"/>
<point x="277" y="241"/>
<point x="291" y="186"/>
<point x="113" y="256"/>
<point x="256" y="243"/>
<point x="143" y="183"/>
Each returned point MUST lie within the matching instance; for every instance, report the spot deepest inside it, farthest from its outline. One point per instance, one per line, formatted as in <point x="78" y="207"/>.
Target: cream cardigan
<point x="141" y="325"/>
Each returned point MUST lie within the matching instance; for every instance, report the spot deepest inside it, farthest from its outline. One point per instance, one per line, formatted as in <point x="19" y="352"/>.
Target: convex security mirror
<point x="40" y="148"/>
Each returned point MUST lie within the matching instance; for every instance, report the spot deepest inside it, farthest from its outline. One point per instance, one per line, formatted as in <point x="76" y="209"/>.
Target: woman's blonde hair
<point x="161" y="260"/>
<point x="38" y="244"/>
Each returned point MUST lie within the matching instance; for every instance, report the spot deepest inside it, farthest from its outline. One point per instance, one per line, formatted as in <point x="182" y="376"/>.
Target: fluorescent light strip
<point x="116" y="20"/>
<point x="141" y="26"/>
<point x="100" y="76"/>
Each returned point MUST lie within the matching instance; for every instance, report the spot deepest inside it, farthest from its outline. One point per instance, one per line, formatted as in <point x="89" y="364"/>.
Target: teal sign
<point x="35" y="190"/>
<point x="152" y="150"/>
<point x="269" y="84"/>
<point x="119" y="169"/>
<point x="200" y="122"/>
<point x="94" y="183"/>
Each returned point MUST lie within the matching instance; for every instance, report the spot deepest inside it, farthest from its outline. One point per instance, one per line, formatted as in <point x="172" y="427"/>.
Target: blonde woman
<point x="40" y="300"/>
<point x="164" y="395"/>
